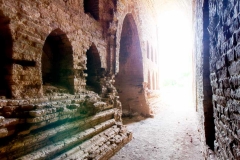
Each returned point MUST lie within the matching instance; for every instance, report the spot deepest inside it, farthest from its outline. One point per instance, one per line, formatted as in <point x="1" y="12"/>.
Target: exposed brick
<point x="224" y="38"/>
<point x="51" y="100"/>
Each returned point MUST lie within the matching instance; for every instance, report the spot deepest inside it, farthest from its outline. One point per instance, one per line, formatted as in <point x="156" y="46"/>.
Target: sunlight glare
<point x="175" y="49"/>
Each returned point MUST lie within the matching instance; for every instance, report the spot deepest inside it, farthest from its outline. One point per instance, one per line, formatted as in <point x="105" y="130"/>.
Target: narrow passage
<point x="171" y="134"/>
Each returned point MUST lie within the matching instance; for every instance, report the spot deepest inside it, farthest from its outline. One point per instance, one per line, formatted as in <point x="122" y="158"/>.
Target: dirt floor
<point x="171" y="134"/>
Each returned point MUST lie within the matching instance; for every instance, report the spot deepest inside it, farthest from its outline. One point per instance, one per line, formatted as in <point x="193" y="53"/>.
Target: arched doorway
<point x="153" y="81"/>
<point x="57" y="62"/>
<point x="129" y="80"/>
<point x="152" y="54"/>
<point x="6" y="44"/>
<point x="148" y="51"/>
<point x="149" y="81"/>
<point x="93" y="69"/>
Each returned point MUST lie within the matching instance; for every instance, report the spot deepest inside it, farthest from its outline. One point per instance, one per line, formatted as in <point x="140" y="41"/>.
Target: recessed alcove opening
<point x="94" y="69"/>
<point x="6" y="44"/>
<point x="153" y="82"/>
<point x="149" y="81"/>
<point x="147" y="50"/>
<point x="152" y="55"/>
<point x="57" y="63"/>
<point x="129" y="80"/>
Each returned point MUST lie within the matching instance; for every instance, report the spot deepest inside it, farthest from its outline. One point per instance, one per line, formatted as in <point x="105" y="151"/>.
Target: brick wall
<point x="57" y="72"/>
<point x="224" y="28"/>
<point x="217" y="26"/>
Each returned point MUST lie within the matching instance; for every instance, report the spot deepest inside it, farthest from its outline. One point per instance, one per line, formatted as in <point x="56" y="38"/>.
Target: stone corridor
<point x="71" y="69"/>
<point x="173" y="130"/>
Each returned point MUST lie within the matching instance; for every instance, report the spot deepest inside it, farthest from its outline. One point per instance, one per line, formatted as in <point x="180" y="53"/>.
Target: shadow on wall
<point x="207" y="89"/>
<point x="6" y="52"/>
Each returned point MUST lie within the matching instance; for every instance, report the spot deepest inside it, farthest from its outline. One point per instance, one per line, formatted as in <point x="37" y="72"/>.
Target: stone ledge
<point x="24" y="144"/>
<point x="101" y="146"/>
<point x="50" y="151"/>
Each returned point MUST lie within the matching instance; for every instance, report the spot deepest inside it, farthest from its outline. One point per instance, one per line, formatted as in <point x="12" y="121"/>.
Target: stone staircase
<point x="60" y="127"/>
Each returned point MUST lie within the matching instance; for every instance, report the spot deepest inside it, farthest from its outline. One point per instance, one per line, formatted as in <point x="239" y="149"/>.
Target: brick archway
<point x="149" y="80"/>
<point x="129" y="80"/>
<point x="153" y="81"/>
<point x="148" y="51"/>
<point x="57" y="61"/>
<point x="93" y="69"/>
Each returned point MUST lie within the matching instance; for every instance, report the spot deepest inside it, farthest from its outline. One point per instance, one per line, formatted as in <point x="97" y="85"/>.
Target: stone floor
<point x="171" y="134"/>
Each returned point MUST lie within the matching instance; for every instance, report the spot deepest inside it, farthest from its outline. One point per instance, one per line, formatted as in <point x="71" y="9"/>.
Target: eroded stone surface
<point x="217" y="48"/>
<point x="58" y="66"/>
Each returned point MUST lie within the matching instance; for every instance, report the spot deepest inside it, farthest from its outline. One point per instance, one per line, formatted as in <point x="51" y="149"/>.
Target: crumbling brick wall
<point x="220" y="40"/>
<point x="58" y="64"/>
<point x="224" y="50"/>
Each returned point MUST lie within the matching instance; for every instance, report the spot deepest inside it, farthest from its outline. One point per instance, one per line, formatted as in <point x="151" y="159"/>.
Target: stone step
<point x="37" y="116"/>
<point x="52" y="117"/>
<point x="34" y="141"/>
<point x="101" y="146"/>
<point x="7" y="126"/>
<point x="50" y="151"/>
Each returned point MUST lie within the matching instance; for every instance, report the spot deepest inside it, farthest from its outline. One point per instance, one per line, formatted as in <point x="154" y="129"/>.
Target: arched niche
<point x="57" y="63"/>
<point x="153" y="81"/>
<point x="147" y="50"/>
<point x="94" y="70"/>
<point x="129" y="79"/>
<point x="92" y="7"/>
<point x="6" y="52"/>
<point x="156" y="57"/>
<point x="152" y="55"/>
<point x="149" y="80"/>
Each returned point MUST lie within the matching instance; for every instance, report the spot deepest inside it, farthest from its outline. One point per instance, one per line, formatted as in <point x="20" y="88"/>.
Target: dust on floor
<point x="171" y="134"/>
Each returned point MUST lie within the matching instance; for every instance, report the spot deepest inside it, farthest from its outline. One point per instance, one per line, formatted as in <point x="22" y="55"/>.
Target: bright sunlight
<point x="175" y="50"/>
